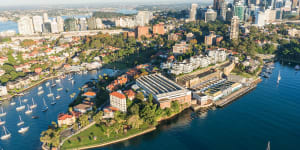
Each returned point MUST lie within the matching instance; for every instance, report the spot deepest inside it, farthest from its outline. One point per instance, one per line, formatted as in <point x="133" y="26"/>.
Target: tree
<point x="134" y="110"/>
<point x="83" y="120"/>
<point x="98" y="117"/>
<point x="134" y="121"/>
<point x="140" y="96"/>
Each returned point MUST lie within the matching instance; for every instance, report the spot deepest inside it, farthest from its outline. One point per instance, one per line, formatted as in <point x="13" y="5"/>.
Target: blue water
<point x="9" y="25"/>
<point x="30" y="140"/>
<point x="269" y="113"/>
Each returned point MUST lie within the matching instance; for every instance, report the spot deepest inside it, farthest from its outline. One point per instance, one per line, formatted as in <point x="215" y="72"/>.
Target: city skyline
<point x="14" y="3"/>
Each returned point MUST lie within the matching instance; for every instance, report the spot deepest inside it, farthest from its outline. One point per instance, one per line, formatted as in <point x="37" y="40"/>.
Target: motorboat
<point x="25" y="100"/>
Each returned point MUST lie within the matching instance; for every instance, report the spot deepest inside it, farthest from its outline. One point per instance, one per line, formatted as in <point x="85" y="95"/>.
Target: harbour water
<point x="8" y="25"/>
<point x="269" y="113"/>
<point x="31" y="139"/>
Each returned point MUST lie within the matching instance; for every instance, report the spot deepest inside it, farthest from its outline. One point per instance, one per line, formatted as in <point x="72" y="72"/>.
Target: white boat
<point x="58" y="97"/>
<point x="40" y="92"/>
<point x="33" y="104"/>
<point x="297" y="67"/>
<point x="2" y="122"/>
<point x="278" y="78"/>
<point x="2" y="112"/>
<point x="71" y="78"/>
<point x="50" y="94"/>
<point x="48" y="83"/>
<point x="28" y="111"/>
<point x="13" y="103"/>
<point x="21" y="121"/>
<point x="72" y="82"/>
<point x="59" y="89"/>
<point x="40" y="88"/>
<point x="6" y="135"/>
<point x="53" y="84"/>
<point x="23" y="130"/>
<point x="57" y="80"/>
<point x="21" y="107"/>
<point x="45" y="108"/>
<point x="268" y="147"/>
<point x="25" y="100"/>
<point x="85" y="72"/>
<point x="53" y="102"/>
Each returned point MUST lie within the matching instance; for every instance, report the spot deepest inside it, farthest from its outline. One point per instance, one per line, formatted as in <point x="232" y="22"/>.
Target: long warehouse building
<point x="164" y="90"/>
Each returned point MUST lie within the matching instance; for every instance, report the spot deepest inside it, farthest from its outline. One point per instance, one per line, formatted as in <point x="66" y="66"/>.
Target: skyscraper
<point x="38" y="23"/>
<point x="25" y="26"/>
<point x="99" y="23"/>
<point x="143" y="18"/>
<point x="234" y="28"/>
<point x="294" y="4"/>
<point x="193" y="12"/>
<point x="71" y="24"/>
<point x="47" y="27"/>
<point x="217" y="4"/>
<point x="54" y="27"/>
<point x="82" y="24"/>
<point x="60" y="24"/>
<point x="239" y="10"/>
<point x="223" y="11"/>
<point x="91" y="22"/>
<point x="45" y="17"/>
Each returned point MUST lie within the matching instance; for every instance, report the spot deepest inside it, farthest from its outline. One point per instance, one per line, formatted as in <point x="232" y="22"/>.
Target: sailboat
<point x="57" y="80"/>
<point x="23" y="130"/>
<point x="21" y="107"/>
<point x="40" y="88"/>
<point x="6" y="135"/>
<point x="58" y="97"/>
<point x="50" y="94"/>
<point x="53" y="101"/>
<point x="21" y="121"/>
<point x="45" y="108"/>
<point x="278" y="78"/>
<point x="59" y="89"/>
<point x="48" y="83"/>
<point x="40" y="92"/>
<point x="53" y="84"/>
<point x="268" y="147"/>
<point x="72" y="82"/>
<point x="13" y="103"/>
<point x="2" y="112"/>
<point x="25" y="100"/>
<point x="33" y="104"/>
<point x="29" y="111"/>
<point x="2" y="122"/>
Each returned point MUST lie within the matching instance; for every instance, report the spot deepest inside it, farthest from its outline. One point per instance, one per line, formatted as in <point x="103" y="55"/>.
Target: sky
<point x="57" y="2"/>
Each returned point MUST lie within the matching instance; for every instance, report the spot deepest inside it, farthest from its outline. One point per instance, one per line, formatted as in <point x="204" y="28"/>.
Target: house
<point x="65" y="119"/>
<point x="83" y="108"/>
<point x="34" y="77"/>
<point x="38" y="70"/>
<point x="3" y="90"/>
<point x="130" y="94"/>
<point x="118" y="100"/>
<point x="109" y="112"/>
<point x="90" y="94"/>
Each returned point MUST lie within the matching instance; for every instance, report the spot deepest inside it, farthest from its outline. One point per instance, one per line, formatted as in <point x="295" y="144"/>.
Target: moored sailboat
<point x="33" y="104"/>
<point x="29" y="111"/>
<point x="25" y="100"/>
<point x="40" y="92"/>
<point x="58" y="97"/>
<point x="2" y="112"/>
<point x="21" y="107"/>
<point x="59" y="89"/>
<point x="23" y="130"/>
<point x="48" y="83"/>
<point x="45" y="108"/>
<point x="278" y="78"/>
<point x="6" y="135"/>
<point x="53" y="101"/>
<point x="21" y="121"/>
<point x="13" y="103"/>
<point x="50" y="94"/>
<point x="2" y="122"/>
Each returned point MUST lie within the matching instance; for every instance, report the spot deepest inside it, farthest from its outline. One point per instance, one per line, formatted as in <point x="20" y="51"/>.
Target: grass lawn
<point x="86" y="138"/>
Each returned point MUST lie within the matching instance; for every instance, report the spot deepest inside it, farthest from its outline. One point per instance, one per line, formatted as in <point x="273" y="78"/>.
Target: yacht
<point x="21" y="121"/>
<point x="48" y="83"/>
<point x="40" y="88"/>
<point x="50" y="94"/>
<point x="59" y="89"/>
<point x="21" y="107"/>
<point x="6" y="135"/>
<point x="25" y="100"/>
<point x="278" y="78"/>
<point x="23" y="130"/>
<point x="33" y="104"/>
<point x="268" y="147"/>
<point x="57" y="80"/>
<point x="45" y="108"/>
<point x="29" y="111"/>
<point x="58" y="97"/>
<point x="2" y="112"/>
<point x="2" y="122"/>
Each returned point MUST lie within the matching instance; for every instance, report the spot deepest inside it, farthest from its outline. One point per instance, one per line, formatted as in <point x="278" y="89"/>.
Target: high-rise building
<point x="193" y="12"/>
<point x="260" y="19"/>
<point x="82" y="24"/>
<point x="159" y="29"/>
<point x="234" y="28"/>
<point x="223" y="11"/>
<point x="142" y="31"/>
<point x="54" y="27"/>
<point x="46" y="18"/>
<point x="37" y="23"/>
<point x="60" y="24"/>
<point x="25" y="26"/>
<point x="210" y="15"/>
<point x="99" y="24"/>
<point x="118" y="100"/>
<point x="294" y="4"/>
<point x="239" y="10"/>
<point x="217" y="4"/>
<point x="47" y="27"/>
<point x="143" y="18"/>
<point x="91" y="22"/>
<point x="71" y="24"/>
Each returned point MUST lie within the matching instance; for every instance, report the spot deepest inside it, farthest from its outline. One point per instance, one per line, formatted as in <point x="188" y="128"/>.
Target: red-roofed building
<point x="65" y="119"/>
<point x="38" y="70"/>
<point x="90" y="94"/>
<point x="118" y="100"/>
<point x="130" y="94"/>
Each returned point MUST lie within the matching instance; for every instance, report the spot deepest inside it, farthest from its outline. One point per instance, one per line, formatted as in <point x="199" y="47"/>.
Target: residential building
<point x="60" y="23"/>
<point x="65" y="119"/>
<point x="173" y="37"/>
<point x="118" y="100"/>
<point x="92" y="24"/>
<point x="143" y="31"/>
<point x="83" y="108"/>
<point x="193" y="12"/>
<point x="3" y="90"/>
<point x="82" y="24"/>
<point x="210" y="15"/>
<point x="234" y="28"/>
<point x="54" y="27"/>
<point x="189" y="36"/>
<point x="130" y="94"/>
<point x="25" y="26"/>
<point x="159" y="29"/>
<point x="143" y="18"/>
<point x="46" y="18"/>
<point x="164" y="90"/>
<point x="90" y="94"/>
<point x="212" y="38"/>
<point x="38" y="24"/>
<point x="180" y="48"/>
